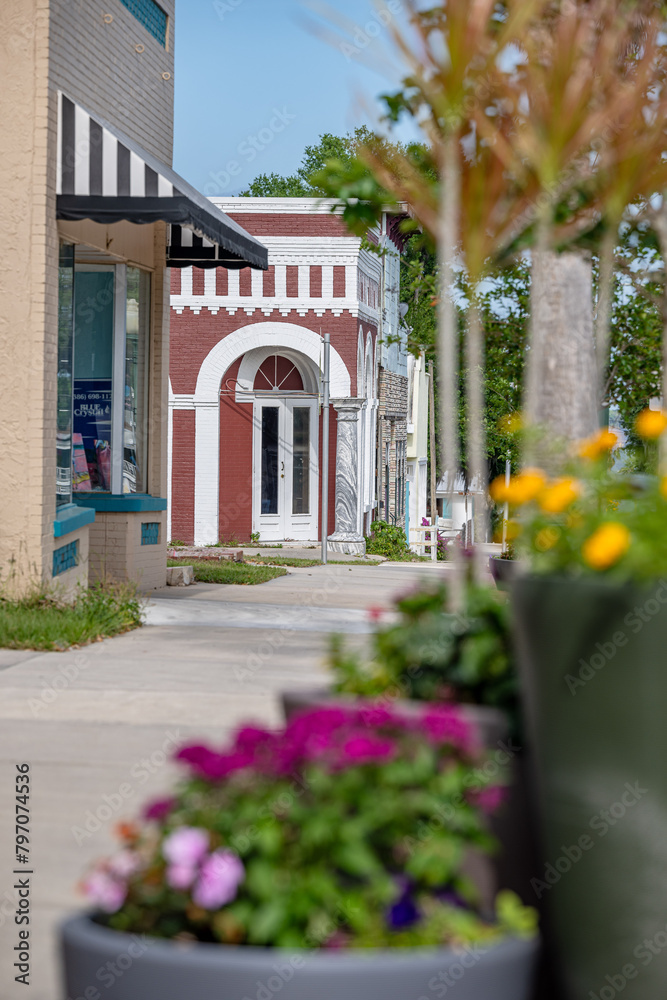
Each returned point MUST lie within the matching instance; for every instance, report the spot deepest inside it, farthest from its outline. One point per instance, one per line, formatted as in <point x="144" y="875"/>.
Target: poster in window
<point x="92" y="434"/>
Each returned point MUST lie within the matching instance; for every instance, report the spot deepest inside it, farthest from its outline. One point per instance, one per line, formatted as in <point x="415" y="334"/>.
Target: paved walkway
<point x="97" y="725"/>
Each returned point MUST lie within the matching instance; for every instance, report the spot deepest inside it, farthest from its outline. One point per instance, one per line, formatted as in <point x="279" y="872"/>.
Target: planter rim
<point x="587" y="581"/>
<point x="82" y="928"/>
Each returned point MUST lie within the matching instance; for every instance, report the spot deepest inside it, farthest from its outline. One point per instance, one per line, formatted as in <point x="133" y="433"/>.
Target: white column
<point x="327" y="281"/>
<point x="304" y="281"/>
<point x="207" y="471"/>
<point x="348" y="536"/>
<point x="281" y="281"/>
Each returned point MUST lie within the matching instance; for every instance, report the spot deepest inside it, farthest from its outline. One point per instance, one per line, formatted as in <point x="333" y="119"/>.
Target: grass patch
<point x="304" y="563"/>
<point x="229" y="572"/>
<point x="42" y="621"/>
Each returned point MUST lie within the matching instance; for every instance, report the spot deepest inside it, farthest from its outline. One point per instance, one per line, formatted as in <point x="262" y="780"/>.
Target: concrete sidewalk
<point x="98" y="725"/>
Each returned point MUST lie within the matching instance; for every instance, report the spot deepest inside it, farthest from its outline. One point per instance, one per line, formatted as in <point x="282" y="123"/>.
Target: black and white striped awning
<point x="106" y="177"/>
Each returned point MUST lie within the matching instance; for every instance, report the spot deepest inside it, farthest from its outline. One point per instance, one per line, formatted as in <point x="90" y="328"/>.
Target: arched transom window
<point x="278" y="373"/>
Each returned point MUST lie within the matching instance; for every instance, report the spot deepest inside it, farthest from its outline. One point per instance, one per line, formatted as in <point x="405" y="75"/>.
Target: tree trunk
<point x="561" y="380"/>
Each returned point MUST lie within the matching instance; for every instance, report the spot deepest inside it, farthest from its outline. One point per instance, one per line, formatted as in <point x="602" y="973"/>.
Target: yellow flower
<point x="606" y="545"/>
<point x="663" y="487"/>
<point x="650" y="424"/>
<point x="513" y="530"/>
<point x="555" y="498"/>
<point x="597" y="445"/>
<point x="546" y="538"/>
<point x="510" y="423"/>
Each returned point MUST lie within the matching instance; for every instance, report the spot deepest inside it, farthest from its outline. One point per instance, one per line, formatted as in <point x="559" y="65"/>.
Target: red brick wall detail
<point x="245" y="281"/>
<point x="339" y="281"/>
<point x="183" y="477"/>
<point x="235" y="510"/>
<point x="316" y="281"/>
<point x="221" y="280"/>
<point x="197" y="281"/>
<point x="175" y="284"/>
<point x="292" y="280"/>
<point x="270" y="282"/>
<point x="290" y="225"/>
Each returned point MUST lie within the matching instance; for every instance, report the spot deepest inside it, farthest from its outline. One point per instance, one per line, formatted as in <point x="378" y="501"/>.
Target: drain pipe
<point x="325" y="447"/>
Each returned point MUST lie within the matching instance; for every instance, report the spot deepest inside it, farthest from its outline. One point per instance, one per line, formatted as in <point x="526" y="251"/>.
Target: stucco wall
<point x="116" y="67"/>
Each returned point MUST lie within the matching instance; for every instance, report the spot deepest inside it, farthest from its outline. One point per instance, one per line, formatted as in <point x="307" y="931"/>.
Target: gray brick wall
<point x="392" y="430"/>
<point x="116" y="67"/>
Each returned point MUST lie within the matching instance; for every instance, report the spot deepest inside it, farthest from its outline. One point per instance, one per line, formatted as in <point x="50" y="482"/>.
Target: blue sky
<point x="254" y="86"/>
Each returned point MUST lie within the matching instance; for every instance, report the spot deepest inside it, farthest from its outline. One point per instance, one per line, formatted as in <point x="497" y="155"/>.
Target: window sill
<point x="70" y="517"/>
<point x="119" y="502"/>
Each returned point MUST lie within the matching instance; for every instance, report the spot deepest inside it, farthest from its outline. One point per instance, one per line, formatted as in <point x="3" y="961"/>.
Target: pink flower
<point x="489" y="799"/>
<point x="220" y="876"/>
<point x="447" y="725"/>
<point x="124" y="864"/>
<point x="361" y="749"/>
<point x="159" y="808"/>
<point x="213" y="765"/>
<point x="104" y="891"/>
<point x="186" y="846"/>
<point x="375" y="613"/>
<point x="180" y="876"/>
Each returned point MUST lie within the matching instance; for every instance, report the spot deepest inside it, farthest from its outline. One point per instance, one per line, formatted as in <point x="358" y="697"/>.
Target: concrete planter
<point x="503" y="571"/>
<point x="129" y="967"/>
<point x="592" y="659"/>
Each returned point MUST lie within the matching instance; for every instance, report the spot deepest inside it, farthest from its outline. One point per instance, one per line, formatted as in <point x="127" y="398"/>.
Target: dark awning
<point x="106" y="177"/>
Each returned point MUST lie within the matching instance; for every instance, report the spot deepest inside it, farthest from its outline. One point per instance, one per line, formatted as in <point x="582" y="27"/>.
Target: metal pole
<point x="325" y="447"/>
<point x="506" y="509"/>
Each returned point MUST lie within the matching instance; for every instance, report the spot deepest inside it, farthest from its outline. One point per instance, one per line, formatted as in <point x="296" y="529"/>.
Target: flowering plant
<point x="431" y="654"/>
<point x="592" y="519"/>
<point x="347" y="829"/>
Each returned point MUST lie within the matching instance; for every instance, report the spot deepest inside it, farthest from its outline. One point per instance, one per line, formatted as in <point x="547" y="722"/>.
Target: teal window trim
<point x="70" y="517"/>
<point x="66" y="557"/>
<point x="150" y="533"/>
<point x="119" y="502"/>
<point x="149" y="13"/>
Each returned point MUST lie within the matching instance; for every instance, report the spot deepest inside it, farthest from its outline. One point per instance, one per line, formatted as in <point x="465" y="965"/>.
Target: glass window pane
<point x="64" y="385"/>
<point x="93" y="359"/>
<point x="269" y="460"/>
<point x="301" y="460"/>
<point x="135" y="424"/>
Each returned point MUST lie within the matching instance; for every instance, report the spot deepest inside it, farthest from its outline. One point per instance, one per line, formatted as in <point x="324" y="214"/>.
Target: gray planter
<point x="128" y="967"/>
<point x="491" y="723"/>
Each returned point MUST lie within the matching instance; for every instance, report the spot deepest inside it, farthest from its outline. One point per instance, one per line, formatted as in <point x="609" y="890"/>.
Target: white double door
<point x="285" y="468"/>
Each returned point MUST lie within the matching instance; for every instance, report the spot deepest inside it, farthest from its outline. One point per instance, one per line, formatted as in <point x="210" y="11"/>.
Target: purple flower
<point x="489" y="799"/>
<point x="403" y="913"/>
<point x="159" y="809"/>
<point x="447" y="725"/>
<point x="221" y="874"/>
<point x="361" y="749"/>
<point x="105" y="891"/>
<point x="186" y="846"/>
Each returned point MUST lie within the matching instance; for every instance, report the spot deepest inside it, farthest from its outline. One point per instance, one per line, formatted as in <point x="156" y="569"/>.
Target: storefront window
<point x="135" y="422"/>
<point x="64" y="375"/>
<point x="111" y="337"/>
<point x="93" y="375"/>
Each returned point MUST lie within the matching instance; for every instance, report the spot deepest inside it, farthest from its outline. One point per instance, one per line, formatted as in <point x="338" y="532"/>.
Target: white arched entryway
<point x="262" y="338"/>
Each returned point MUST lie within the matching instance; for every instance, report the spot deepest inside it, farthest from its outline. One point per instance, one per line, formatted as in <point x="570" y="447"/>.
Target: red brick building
<point x="245" y="381"/>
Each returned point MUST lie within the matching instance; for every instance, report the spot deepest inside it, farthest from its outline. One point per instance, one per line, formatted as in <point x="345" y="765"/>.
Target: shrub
<point x="432" y="655"/>
<point x="348" y="829"/>
<point x="387" y="540"/>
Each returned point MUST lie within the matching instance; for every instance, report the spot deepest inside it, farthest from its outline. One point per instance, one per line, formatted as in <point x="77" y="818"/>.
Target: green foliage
<point x="432" y="655"/>
<point x="43" y="621"/>
<point x="387" y="540"/>
<point x="337" y="821"/>
<point x="595" y="520"/>
<point x="226" y="571"/>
